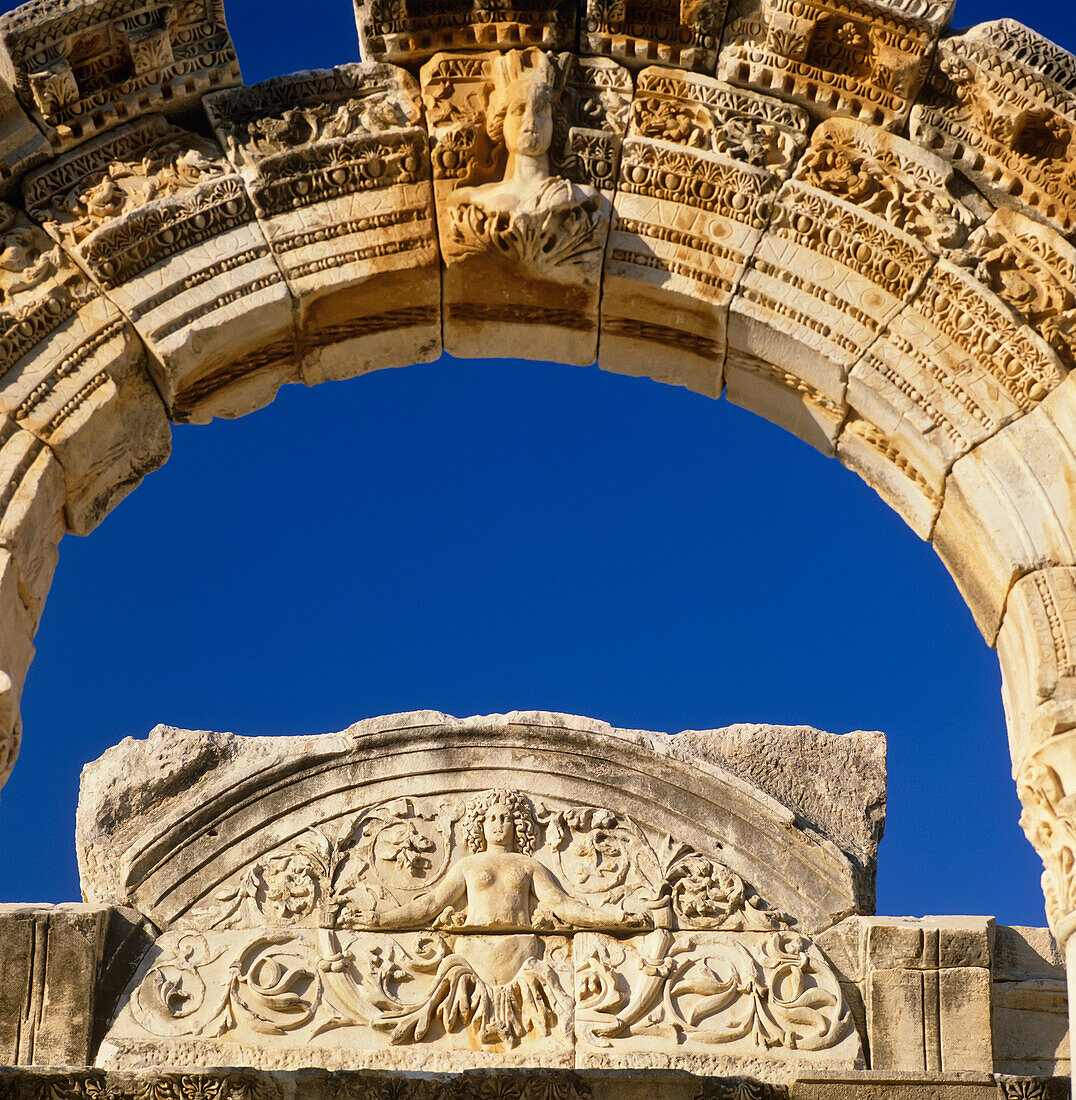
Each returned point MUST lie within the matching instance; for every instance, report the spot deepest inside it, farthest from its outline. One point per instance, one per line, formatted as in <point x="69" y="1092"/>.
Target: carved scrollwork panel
<point x="709" y="994"/>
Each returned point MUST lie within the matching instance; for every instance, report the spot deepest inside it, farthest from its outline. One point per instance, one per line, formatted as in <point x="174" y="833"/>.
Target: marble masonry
<point x="844" y="215"/>
<point x="585" y="908"/>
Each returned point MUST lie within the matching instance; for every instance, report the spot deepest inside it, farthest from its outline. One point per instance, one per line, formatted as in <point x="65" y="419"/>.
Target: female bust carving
<point x="501" y="886"/>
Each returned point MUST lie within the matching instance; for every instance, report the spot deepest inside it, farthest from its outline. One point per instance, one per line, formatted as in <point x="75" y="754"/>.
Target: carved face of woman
<point x="499" y="827"/>
<point x="528" y="120"/>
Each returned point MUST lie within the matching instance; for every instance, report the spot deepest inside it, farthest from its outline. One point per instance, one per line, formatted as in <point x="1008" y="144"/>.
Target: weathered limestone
<point x="1009" y="507"/>
<point x="22" y="144"/>
<point x="73" y="373"/>
<point x="525" y="148"/>
<point x="338" y="166"/>
<point x="406" y="31"/>
<point x="326" y="903"/>
<point x="864" y="59"/>
<point x="164" y="225"/>
<point x="685" y="33"/>
<point x="851" y="241"/>
<point x="83" y="66"/>
<point x="1029" y="1004"/>
<point x="700" y="166"/>
<point x="1001" y="106"/>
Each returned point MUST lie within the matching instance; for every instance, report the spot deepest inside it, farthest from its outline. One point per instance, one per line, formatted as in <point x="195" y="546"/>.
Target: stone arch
<point x="844" y="218"/>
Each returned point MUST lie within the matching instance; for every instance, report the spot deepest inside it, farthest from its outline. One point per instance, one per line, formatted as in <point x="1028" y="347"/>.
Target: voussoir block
<point x="337" y="163"/>
<point x="525" y="147"/>
<point x="165" y="226"/>
<point x="83" y="66"/>
<point x="848" y="246"/>
<point x="700" y="167"/>
<point x="1010" y="507"/>
<point x="73" y="373"/>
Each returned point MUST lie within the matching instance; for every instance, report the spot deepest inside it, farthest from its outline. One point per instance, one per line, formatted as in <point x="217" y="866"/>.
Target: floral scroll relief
<point x="709" y="989"/>
<point x="487" y="924"/>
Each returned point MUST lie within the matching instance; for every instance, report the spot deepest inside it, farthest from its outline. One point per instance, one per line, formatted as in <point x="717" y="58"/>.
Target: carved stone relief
<point x="862" y="59"/>
<point x="406" y="31"/>
<point x="853" y="236"/>
<point x="1007" y="125"/>
<point x="165" y="227"/>
<point x="459" y="924"/>
<point x="83" y="66"/>
<point x="525" y="147"/>
<point x="685" y="33"/>
<point x="700" y="166"/>
<point x="337" y="163"/>
<point x="73" y="373"/>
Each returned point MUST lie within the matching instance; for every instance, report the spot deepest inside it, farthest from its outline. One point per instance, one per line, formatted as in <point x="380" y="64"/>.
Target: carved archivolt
<point x="833" y="211"/>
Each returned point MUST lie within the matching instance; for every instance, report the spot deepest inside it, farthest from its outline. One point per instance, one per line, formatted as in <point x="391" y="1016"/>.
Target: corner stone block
<point x="522" y="220"/>
<point x="1037" y="650"/>
<point x="1000" y="104"/>
<point x="165" y="226"/>
<point x="409" y="31"/>
<point x="1010" y="507"/>
<point x="847" y="248"/>
<point x="337" y="162"/>
<point x="49" y="959"/>
<point x="928" y="986"/>
<point x="73" y="373"/>
<point x="31" y="512"/>
<point x="84" y="66"/>
<point x="699" y="170"/>
<point x="1030" y="1006"/>
<point x="865" y="59"/>
<point x="684" y="33"/>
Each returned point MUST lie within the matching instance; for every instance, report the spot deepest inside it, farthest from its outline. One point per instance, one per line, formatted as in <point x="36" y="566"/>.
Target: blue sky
<point x="498" y="535"/>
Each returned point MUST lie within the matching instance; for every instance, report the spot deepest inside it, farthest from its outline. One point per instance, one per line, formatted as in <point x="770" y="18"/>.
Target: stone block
<point x="930" y="1020"/>
<point x="524" y="198"/>
<point x="337" y="163"/>
<point x="881" y="1085"/>
<point x="1010" y="507"/>
<point x="165" y="226"/>
<point x="31" y="512"/>
<point x="1037" y="651"/>
<point x="684" y="33"/>
<point x="83" y="66"/>
<point x="866" y="59"/>
<point x="73" y="373"/>
<point x="22" y="145"/>
<point x="407" y="31"/>
<point x="699" y="170"/>
<point x="1001" y="104"/>
<point x="848" y="246"/>
<point x="929" y="943"/>
<point x="1030" y="1004"/>
<point x="49" y="959"/>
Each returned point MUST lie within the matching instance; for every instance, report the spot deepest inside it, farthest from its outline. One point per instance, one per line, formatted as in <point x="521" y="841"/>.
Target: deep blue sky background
<point x="497" y="535"/>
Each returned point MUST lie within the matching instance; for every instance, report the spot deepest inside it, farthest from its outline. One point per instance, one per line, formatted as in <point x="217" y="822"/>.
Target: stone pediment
<point x="530" y="888"/>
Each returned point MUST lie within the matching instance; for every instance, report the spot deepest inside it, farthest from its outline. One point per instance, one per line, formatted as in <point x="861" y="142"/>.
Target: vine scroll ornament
<point x="489" y="925"/>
